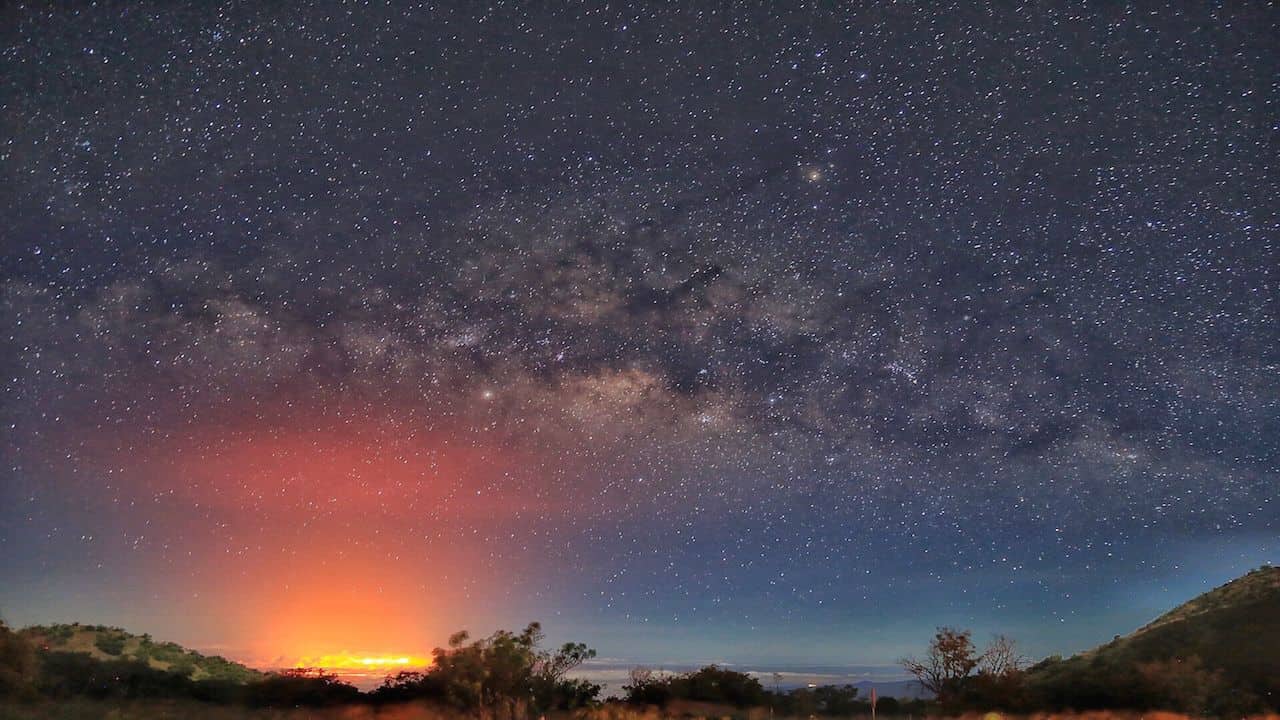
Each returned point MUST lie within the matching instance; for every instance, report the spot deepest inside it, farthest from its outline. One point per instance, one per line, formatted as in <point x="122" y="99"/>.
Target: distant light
<point x="341" y="662"/>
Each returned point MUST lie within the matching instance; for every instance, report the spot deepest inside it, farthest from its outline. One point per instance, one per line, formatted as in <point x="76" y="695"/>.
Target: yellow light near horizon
<point x="348" y="662"/>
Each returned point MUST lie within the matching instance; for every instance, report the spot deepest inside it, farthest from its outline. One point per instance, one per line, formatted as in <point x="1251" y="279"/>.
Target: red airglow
<point x="314" y="469"/>
<point x="349" y="608"/>
<point x="296" y="540"/>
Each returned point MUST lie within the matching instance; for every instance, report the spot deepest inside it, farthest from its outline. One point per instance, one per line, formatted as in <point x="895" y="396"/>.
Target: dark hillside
<point x="1224" y="645"/>
<point x="108" y="643"/>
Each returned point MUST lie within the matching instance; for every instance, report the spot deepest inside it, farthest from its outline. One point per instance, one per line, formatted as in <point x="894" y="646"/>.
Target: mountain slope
<point x="1225" y="642"/>
<point x="1259" y="586"/>
<point x="1235" y="627"/>
<point x="109" y="643"/>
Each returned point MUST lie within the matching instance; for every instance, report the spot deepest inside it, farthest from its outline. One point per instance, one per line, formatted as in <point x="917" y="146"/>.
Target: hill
<point x="110" y="643"/>
<point x="1223" y="645"/>
<point x="1257" y="588"/>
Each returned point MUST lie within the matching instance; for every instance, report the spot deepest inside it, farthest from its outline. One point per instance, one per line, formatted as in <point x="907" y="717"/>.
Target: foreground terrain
<point x="1214" y="656"/>
<point x="186" y="710"/>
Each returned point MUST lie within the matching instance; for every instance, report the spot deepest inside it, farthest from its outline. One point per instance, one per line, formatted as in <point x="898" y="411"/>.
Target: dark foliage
<point x="66" y="674"/>
<point x="110" y="643"/>
<point x="121" y="645"/>
<point x="821" y="700"/>
<point x="508" y="676"/>
<point x="18" y="664"/>
<point x="951" y="658"/>
<point x="1213" y="655"/>
<point x="503" y="674"/>
<point x="301" y="687"/>
<point x="408" y="685"/>
<point x="709" y="684"/>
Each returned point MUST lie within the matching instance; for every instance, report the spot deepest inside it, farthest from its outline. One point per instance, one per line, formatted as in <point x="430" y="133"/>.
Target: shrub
<point x="110" y="643"/>
<point x="309" y="687"/>
<point x="709" y="684"/>
<point x="17" y="664"/>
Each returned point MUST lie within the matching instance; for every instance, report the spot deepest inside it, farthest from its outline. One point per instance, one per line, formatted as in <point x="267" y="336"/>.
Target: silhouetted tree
<point x="1001" y="658"/>
<point x="837" y="699"/>
<point x="950" y="659"/>
<point x="709" y="684"/>
<point x="551" y="688"/>
<point x="646" y="687"/>
<point x="301" y="687"/>
<point x="507" y="675"/>
<point x="1000" y="682"/>
<point x="716" y="684"/>
<point x="407" y="685"/>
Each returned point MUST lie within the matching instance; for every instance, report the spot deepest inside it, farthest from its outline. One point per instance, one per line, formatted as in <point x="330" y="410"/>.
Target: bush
<point x="307" y="687"/>
<point x="18" y="664"/>
<point x="184" y="667"/>
<point x="709" y="684"/>
<point x="67" y="674"/>
<point x="216" y="667"/>
<point x="505" y="672"/>
<point x="110" y="643"/>
<point x="409" y="685"/>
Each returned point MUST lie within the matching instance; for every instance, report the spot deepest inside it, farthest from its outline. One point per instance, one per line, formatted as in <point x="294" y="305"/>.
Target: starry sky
<point x="773" y="334"/>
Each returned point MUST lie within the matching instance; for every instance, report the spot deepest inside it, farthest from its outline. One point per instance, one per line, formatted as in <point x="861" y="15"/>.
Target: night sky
<point x="769" y="336"/>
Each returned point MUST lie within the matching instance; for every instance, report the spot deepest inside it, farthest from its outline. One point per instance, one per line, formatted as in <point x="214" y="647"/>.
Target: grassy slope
<point x="108" y="643"/>
<point x="1234" y="629"/>
<point x="1260" y="586"/>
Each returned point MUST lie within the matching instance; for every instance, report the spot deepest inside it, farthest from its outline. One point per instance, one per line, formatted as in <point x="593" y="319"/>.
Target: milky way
<point x="749" y="335"/>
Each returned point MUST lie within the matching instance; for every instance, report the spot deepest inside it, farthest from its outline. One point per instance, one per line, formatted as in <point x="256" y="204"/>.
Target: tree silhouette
<point x="1001" y="658"/>
<point x="951" y="658"/>
<point x="506" y="675"/>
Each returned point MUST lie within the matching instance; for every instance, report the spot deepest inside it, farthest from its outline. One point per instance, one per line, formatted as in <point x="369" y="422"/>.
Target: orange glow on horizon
<point x="365" y="662"/>
<point x="353" y="544"/>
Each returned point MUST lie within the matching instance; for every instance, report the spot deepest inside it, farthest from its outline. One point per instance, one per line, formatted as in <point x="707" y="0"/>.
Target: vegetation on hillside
<point x="1213" y="656"/>
<point x="1216" y="654"/>
<point x="710" y="684"/>
<point x="505" y="675"/>
<point x="102" y="642"/>
<point x="19" y="664"/>
<point x="710" y="690"/>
